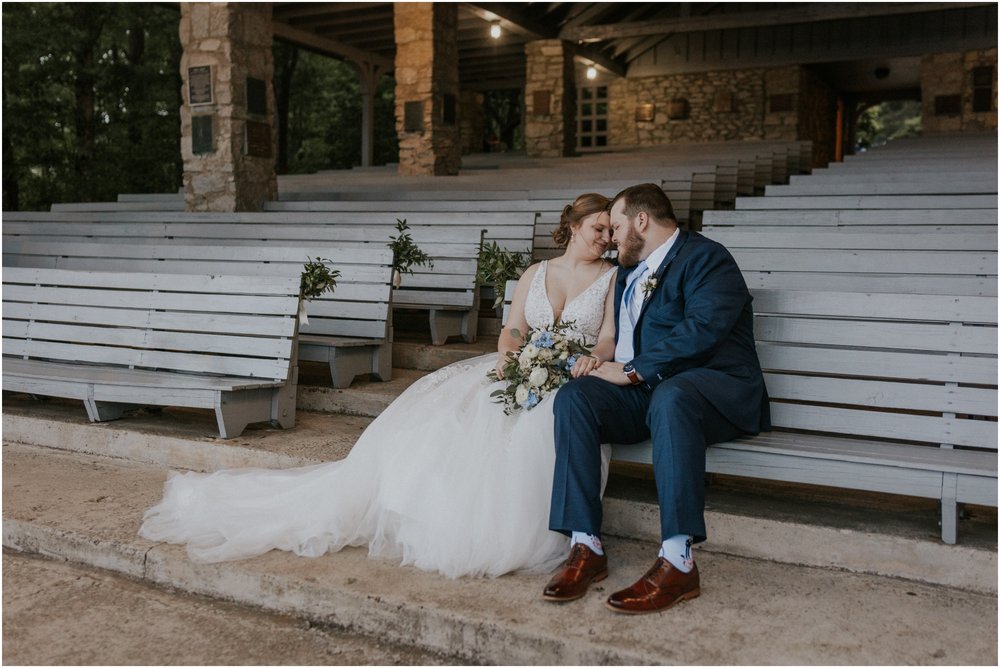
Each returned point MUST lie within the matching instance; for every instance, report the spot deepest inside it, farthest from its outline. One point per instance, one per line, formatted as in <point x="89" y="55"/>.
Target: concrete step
<point x="87" y="509"/>
<point x="788" y="524"/>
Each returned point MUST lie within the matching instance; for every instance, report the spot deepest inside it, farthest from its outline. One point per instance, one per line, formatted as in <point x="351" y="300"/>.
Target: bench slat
<point x="872" y="262"/>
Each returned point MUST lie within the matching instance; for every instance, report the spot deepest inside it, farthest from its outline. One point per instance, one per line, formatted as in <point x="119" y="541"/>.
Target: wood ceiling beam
<point x="322" y="10"/>
<point x="511" y="19"/>
<point x="311" y="40"/>
<point x="817" y="12"/>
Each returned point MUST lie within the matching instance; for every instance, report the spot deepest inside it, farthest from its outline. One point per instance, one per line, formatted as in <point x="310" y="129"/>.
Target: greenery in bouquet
<point x="541" y="365"/>
<point x="405" y="253"/>
<point x="498" y="266"/>
<point x="317" y="278"/>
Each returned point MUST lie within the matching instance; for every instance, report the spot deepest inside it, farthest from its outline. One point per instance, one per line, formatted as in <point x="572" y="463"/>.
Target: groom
<point x="685" y="374"/>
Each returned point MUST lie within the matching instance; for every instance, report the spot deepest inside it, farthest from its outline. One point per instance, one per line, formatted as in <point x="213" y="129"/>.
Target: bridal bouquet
<point x="541" y="365"/>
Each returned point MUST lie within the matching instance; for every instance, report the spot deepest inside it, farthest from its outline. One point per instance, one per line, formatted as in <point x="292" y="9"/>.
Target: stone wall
<point x="775" y="103"/>
<point x="549" y="132"/>
<point x="740" y="114"/>
<point x="950" y="74"/>
<point x="427" y="76"/>
<point x="234" y="40"/>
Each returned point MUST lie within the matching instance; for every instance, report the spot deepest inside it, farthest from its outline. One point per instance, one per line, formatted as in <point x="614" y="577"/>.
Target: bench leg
<point x="949" y="509"/>
<point x="382" y="362"/>
<point x="283" y="401"/>
<point x="346" y="364"/>
<point x="453" y="323"/>
<point x="102" y="411"/>
<point x="235" y="410"/>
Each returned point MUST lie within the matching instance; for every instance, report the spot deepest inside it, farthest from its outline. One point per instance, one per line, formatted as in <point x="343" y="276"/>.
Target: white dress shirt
<point x="632" y="299"/>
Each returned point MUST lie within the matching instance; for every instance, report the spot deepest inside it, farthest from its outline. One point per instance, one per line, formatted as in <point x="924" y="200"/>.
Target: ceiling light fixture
<point x="495" y="31"/>
<point x="591" y="72"/>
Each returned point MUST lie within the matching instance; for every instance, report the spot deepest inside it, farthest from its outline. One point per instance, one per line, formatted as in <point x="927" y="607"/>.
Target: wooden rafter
<point x="311" y="40"/>
<point x="817" y="12"/>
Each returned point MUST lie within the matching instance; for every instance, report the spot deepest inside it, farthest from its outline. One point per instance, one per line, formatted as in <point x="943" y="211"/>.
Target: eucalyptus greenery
<point x="317" y="278"/>
<point x="405" y="253"/>
<point x="498" y="266"/>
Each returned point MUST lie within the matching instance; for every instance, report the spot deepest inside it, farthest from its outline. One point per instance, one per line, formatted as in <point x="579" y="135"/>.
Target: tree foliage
<point x="324" y="113"/>
<point x="884" y="122"/>
<point x="91" y="99"/>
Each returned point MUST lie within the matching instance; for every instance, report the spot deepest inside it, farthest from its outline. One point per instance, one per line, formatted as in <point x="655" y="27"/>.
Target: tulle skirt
<point x="442" y="480"/>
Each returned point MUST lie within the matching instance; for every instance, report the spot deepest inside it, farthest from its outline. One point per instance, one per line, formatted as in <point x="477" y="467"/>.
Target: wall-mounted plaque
<point x="258" y="139"/>
<point x="947" y="105"/>
<point x="645" y="113"/>
<point x="723" y="101"/>
<point x="781" y="102"/>
<point x="200" y="85"/>
<point x="541" y="102"/>
<point x="202" y="135"/>
<point x="413" y="116"/>
<point x="678" y="109"/>
<point x="256" y="96"/>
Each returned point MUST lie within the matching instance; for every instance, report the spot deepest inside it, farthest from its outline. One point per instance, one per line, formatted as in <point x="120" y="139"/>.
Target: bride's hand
<point x="584" y="366"/>
<point x="501" y="362"/>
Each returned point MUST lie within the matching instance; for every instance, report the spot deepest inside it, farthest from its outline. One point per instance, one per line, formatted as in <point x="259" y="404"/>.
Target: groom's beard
<point x="630" y="249"/>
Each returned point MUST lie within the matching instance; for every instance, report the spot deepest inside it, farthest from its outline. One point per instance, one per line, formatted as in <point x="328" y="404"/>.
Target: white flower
<point x="537" y="377"/>
<point x="521" y="394"/>
<point x="530" y="351"/>
<point x="648" y="286"/>
<point x="534" y="335"/>
<point x="545" y="354"/>
<point x="564" y="355"/>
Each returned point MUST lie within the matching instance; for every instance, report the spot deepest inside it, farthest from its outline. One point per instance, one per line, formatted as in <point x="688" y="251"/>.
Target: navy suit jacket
<point x="699" y="320"/>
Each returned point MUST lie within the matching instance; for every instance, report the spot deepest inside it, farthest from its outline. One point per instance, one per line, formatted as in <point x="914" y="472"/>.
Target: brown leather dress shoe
<point x="660" y="588"/>
<point x="582" y="567"/>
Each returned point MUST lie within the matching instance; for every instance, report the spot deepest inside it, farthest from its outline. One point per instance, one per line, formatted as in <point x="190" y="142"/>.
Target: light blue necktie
<point x="626" y="324"/>
<point x="633" y="280"/>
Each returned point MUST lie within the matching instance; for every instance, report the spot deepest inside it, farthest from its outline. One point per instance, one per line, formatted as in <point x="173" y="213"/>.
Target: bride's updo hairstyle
<point x="573" y="214"/>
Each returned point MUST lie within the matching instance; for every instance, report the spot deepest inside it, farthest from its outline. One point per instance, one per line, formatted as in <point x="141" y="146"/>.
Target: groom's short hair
<point x="647" y="197"/>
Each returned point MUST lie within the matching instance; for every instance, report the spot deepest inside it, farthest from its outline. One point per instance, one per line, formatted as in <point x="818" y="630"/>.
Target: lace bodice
<point x="585" y="311"/>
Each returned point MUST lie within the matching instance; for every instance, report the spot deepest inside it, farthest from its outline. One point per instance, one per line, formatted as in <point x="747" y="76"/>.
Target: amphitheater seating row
<point x="116" y="340"/>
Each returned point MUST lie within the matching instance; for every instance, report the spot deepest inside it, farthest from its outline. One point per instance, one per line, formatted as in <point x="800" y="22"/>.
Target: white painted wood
<point x="846" y="217"/>
<point x="53" y="323"/>
<point x="868" y="261"/>
<point x="877" y="187"/>
<point x="937" y="238"/>
<point x="896" y="202"/>
<point x="862" y="282"/>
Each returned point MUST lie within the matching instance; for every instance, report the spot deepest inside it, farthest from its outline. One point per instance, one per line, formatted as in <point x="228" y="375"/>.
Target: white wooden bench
<point x="349" y="330"/>
<point x="863" y="218"/>
<point x="892" y="393"/>
<point x="870" y="202"/>
<point x="115" y="340"/>
<point x="447" y="291"/>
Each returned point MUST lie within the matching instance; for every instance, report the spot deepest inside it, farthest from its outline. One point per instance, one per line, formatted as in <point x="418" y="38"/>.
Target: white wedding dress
<point x="441" y="480"/>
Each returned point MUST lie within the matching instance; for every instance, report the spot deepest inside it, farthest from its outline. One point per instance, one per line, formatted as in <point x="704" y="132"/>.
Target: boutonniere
<point x="647" y="287"/>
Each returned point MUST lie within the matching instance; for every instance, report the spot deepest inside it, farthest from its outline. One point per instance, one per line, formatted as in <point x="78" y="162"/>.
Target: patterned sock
<point x="590" y="540"/>
<point x="677" y="550"/>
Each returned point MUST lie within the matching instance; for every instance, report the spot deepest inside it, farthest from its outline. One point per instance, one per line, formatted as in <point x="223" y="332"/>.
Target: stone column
<point x="427" y="88"/>
<point x="550" y="98"/>
<point x="228" y="138"/>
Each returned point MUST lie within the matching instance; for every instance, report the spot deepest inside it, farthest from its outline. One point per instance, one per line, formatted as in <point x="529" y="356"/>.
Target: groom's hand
<point x="611" y="372"/>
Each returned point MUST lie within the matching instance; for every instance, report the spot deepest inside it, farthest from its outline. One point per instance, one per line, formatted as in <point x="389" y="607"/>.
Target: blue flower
<point x="571" y="361"/>
<point x="532" y="400"/>
<point x="545" y="340"/>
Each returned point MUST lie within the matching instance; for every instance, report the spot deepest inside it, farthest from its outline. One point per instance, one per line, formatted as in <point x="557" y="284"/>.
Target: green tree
<point x="91" y="98"/>
<point x="886" y="121"/>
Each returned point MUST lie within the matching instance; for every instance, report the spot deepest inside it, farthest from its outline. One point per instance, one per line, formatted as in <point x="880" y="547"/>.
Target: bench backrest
<point x="359" y="307"/>
<point x="905" y="367"/>
<point x="869" y="218"/>
<point x="897" y="202"/>
<point x="241" y="326"/>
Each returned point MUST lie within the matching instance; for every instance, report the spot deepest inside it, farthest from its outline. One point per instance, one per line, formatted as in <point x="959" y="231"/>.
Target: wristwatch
<point x="630" y="373"/>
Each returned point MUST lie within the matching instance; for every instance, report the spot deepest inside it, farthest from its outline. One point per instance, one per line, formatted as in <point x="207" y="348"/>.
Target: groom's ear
<point x="641" y="221"/>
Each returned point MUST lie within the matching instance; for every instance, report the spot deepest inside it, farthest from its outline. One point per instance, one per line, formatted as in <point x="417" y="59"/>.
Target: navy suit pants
<point x="679" y="420"/>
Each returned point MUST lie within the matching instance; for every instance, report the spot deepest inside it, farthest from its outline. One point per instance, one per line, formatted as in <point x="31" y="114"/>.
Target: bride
<point x="442" y="479"/>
